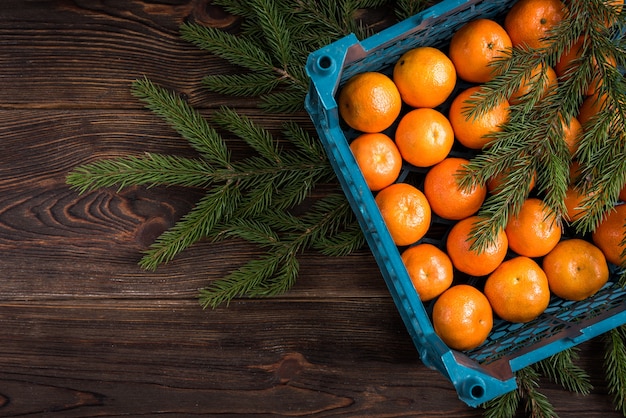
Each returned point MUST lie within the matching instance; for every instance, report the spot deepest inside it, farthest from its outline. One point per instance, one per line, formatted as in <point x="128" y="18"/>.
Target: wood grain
<point x="86" y="332"/>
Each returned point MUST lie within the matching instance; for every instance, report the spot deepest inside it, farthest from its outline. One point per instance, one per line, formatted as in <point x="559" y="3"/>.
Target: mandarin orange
<point x="475" y="263"/>
<point x="369" y="102"/>
<point x="518" y="290"/>
<point x="474" y="132"/>
<point x="462" y="317"/>
<point x="436" y="80"/>
<point x="429" y="268"/>
<point x="572" y="132"/>
<point x="405" y="211"/>
<point x="474" y="48"/>
<point x="378" y="158"/>
<point x="424" y="137"/>
<point x="446" y="197"/>
<point x="529" y="22"/>
<point x="610" y="233"/>
<point x="576" y="269"/>
<point x="574" y="201"/>
<point x="534" y="231"/>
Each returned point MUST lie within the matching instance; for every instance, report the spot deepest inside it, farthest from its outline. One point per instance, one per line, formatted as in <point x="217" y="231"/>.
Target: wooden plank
<point x="332" y="358"/>
<point x="86" y="54"/>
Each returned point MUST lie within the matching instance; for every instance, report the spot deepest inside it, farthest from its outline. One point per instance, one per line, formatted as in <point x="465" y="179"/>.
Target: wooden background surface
<point x="85" y="332"/>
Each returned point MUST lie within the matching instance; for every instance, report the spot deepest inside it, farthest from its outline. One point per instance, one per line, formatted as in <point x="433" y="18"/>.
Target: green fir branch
<point x="527" y="395"/>
<point x="343" y="242"/>
<point x="615" y="366"/>
<point x="235" y="49"/>
<point x="287" y="101"/>
<point x="271" y="274"/>
<point x="247" y="280"/>
<point x="503" y="406"/>
<point x="524" y="150"/>
<point x="288" y="32"/>
<point x="334" y="19"/>
<point x="562" y="369"/>
<point x="290" y="181"/>
<point x="514" y="67"/>
<point x="146" y="170"/>
<point x="251" y="84"/>
<point x="536" y="403"/>
<point x="305" y="143"/>
<point x="275" y="29"/>
<point x="251" y="230"/>
<point x="258" y="198"/>
<point x="184" y="119"/>
<point x="601" y="181"/>
<point x="276" y="271"/>
<point x="261" y="140"/>
<point x="240" y="8"/>
<point x="407" y="8"/>
<point x="214" y="208"/>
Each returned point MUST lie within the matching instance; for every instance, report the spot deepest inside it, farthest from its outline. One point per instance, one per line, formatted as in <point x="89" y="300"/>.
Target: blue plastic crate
<point x="486" y="372"/>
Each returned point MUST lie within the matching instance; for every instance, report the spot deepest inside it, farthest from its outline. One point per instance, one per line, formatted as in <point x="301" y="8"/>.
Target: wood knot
<point x="207" y="14"/>
<point x="288" y="367"/>
<point x="149" y="231"/>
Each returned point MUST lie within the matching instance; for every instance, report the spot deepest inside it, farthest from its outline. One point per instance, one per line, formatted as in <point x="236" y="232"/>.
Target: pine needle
<point x="503" y="406"/>
<point x="184" y="119"/>
<point x="235" y="49"/>
<point x="274" y="42"/>
<point x="214" y="208"/>
<point x="252" y="84"/>
<point x="561" y="368"/>
<point x="275" y="29"/>
<point x="304" y="142"/>
<point x="258" y="138"/>
<point x="536" y="404"/>
<point x="285" y="237"/>
<point x="342" y="243"/>
<point x="615" y="366"/>
<point x="246" y="280"/>
<point x="146" y="170"/>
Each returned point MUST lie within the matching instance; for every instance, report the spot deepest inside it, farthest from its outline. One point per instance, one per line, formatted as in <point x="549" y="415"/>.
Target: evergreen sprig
<point x="278" y="176"/>
<point x="274" y="42"/>
<point x="531" y="142"/>
<point x="184" y="119"/>
<point x="527" y="396"/>
<point x="560" y="368"/>
<point x="408" y="8"/>
<point x="284" y="236"/>
<point x="615" y="366"/>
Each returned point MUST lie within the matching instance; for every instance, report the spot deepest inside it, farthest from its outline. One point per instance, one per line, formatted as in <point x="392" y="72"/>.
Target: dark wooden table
<point x="85" y="332"/>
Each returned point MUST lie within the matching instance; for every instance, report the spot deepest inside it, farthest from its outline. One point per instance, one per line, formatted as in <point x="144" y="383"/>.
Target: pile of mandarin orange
<point x="529" y="261"/>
